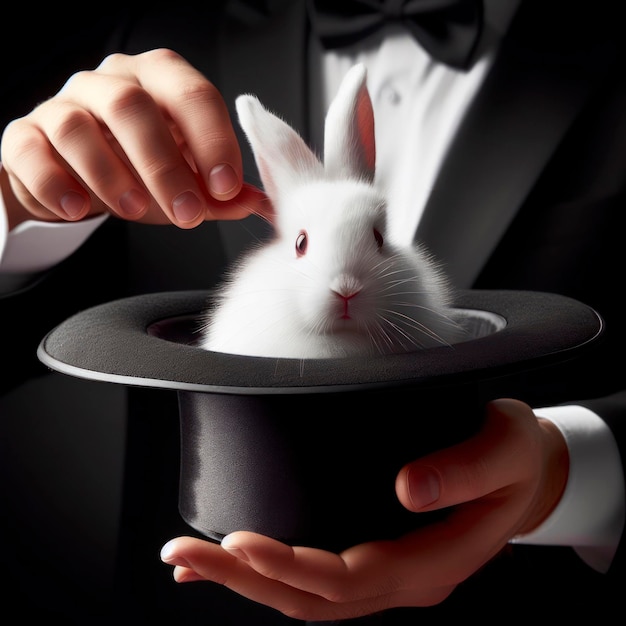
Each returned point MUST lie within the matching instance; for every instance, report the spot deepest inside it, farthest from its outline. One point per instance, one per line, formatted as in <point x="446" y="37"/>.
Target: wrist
<point x="590" y="514"/>
<point x="554" y="475"/>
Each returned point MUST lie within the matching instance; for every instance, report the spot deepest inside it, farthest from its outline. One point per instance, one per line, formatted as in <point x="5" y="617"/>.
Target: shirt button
<point x="390" y="95"/>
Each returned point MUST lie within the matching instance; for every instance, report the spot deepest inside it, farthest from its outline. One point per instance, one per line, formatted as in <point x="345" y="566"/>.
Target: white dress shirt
<point x="418" y="104"/>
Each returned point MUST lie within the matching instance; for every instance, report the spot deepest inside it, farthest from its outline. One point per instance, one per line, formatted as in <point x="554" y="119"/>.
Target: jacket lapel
<point x="526" y="105"/>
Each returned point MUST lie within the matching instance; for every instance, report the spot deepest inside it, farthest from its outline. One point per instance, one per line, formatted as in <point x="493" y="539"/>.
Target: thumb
<point x="250" y="200"/>
<point x="473" y="468"/>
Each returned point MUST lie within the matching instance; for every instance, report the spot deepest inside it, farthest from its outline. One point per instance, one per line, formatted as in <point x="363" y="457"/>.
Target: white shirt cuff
<point x="590" y="515"/>
<point x="36" y="246"/>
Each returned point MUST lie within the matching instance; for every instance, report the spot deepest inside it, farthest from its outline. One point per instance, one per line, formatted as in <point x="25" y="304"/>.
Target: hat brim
<point x="147" y="340"/>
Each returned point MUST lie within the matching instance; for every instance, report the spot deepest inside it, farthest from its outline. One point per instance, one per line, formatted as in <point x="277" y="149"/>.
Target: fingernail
<point x="72" y="203"/>
<point x="222" y="180"/>
<point x="169" y="556"/>
<point x="423" y="484"/>
<point x="186" y="206"/>
<point x="234" y="550"/>
<point x="133" y="202"/>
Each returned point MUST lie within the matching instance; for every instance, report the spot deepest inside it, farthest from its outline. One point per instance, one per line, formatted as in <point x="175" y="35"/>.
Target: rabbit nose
<point x="345" y="287"/>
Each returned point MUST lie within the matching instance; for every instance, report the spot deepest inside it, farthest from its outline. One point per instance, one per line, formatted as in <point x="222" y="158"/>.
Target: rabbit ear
<point x="281" y="155"/>
<point x="349" y="145"/>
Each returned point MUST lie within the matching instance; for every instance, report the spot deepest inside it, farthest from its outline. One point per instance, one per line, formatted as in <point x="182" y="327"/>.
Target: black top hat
<point x="296" y="449"/>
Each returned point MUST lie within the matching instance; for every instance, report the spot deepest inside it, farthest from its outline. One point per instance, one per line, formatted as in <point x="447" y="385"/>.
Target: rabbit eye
<point x="301" y="243"/>
<point x="379" y="238"/>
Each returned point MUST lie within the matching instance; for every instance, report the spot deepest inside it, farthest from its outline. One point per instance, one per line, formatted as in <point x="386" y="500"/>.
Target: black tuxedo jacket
<point x="530" y="197"/>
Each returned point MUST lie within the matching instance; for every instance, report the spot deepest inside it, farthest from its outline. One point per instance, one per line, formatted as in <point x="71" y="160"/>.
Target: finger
<point x="317" y="571"/>
<point x="198" y="112"/>
<point x="250" y="200"/>
<point x="195" y="559"/>
<point x="39" y="179"/>
<point x="504" y="452"/>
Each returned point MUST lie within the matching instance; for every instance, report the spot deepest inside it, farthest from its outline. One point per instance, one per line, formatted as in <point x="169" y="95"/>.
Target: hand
<point x="144" y="137"/>
<point x="502" y="482"/>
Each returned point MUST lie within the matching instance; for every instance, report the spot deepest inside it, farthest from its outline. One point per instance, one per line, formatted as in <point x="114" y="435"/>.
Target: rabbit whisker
<point x="411" y="322"/>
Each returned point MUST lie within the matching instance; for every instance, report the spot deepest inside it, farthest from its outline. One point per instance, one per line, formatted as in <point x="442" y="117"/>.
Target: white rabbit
<point x="328" y="284"/>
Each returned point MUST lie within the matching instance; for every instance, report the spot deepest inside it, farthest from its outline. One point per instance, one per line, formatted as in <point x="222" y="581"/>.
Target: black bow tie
<point x="447" y="29"/>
